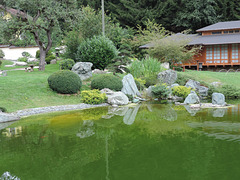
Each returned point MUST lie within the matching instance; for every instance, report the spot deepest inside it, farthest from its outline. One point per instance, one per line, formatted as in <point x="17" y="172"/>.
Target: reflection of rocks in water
<point x="5" y="125"/>
<point x="193" y="112"/>
<point x="112" y="111"/>
<point x="8" y="176"/>
<point x="171" y="115"/>
<point x="219" y="112"/>
<point x="218" y="130"/>
<point x="86" y="129"/>
<point x="130" y="115"/>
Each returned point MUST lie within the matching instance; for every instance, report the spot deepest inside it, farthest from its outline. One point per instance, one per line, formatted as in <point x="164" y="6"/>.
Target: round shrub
<point x="181" y="91"/>
<point x="93" y="97"/>
<point x="49" y="58"/>
<point x="160" y="91"/>
<point x="67" y="64"/>
<point x="26" y="54"/>
<point x="3" y="109"/>
<point x="99" y="50"/>
<point x="65" y="82"/>
<point x="107" y="81"/>
<point x="22" y="59"/>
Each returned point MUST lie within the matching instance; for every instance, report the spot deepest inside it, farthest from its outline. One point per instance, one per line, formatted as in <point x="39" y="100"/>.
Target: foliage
<point x="140" y="83"/>
<point x="173" y="49"/>
<point x="130" y="97"/>
<point x="0" y="63"/>
<point x="150" y="80"/>
<point x="1" y="53"/>
<point x="65" y="82"/>
<point x="49" y="58"/>
<point x="93" y="97"/>
<point x="182" y="79"/>
<point x="145" y="68"/>
<point x="99" y="50"/>
<point x="107" y="81"/>
<point x="66" y="64"/>
<point x="72" y="40"/>
<point x="181" y="91"/>
<point x="38" y="53"/>
<point x="160" y="91"/>
<point x="230" y="92"/>
<point x="22" y="59"/>
<point x="26" y="54"/>
<point x="3" y="109"/>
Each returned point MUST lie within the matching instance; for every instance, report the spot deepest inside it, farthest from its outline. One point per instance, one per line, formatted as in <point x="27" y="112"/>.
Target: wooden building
<point x="220" y="46"/>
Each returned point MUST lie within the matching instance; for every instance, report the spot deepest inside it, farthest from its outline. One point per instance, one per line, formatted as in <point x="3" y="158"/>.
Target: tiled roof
<point x="216" y="39"/>
<point x="221" y="26"/>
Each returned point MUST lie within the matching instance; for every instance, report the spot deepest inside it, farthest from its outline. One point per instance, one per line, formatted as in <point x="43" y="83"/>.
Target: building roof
<point x="221" y="26"/>
<point x="216" y="39"/>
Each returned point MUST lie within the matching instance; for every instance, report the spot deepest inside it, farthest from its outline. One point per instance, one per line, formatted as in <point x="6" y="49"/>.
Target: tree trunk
<point x="42" y="59"/>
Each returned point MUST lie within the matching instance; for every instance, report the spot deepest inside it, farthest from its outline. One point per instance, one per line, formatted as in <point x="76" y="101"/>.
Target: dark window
<point x="230" y="31"/>
<point x="236" y="31"/>
<point x="225" y="32"/>
<point x="217" y="32"/>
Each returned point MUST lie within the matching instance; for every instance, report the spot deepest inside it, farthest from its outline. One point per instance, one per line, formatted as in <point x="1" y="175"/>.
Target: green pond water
<point x="142" y="142"/>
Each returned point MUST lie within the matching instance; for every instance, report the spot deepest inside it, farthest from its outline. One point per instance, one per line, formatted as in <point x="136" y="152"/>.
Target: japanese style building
<point x="220" y="46"/>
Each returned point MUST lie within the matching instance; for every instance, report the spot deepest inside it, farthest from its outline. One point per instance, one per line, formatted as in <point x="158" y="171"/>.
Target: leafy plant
<point x="1" y="53"/>
<point x="107" y="81"/>
<point x="93" y="97"/>
<point x="66" y="64"/>
<point x="65" y="82"/>
<point x="49" y="58"/>
<point x="99" y="50"/>
<point x="140" y="83"/>
<point x="160" y="91"/>
<point x="3" y="109"/>
<point x="181" y="91"/>
<point x="26" y="54"/>
<point x="22" y="59"/>
<point x="151" y="80"/>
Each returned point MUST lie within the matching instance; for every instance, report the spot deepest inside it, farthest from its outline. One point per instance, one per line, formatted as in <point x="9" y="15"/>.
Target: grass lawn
<point x="21" y="90"/>
<point x="230" y="78"/>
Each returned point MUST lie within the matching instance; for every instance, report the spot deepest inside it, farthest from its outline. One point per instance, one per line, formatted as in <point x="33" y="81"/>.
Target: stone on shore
<point x="4" y="117"/>
<point x="129" y="86"/>
<point x="83" y="70"/>
<point x="218" y="99"/>
<point x="192" y="98"/>
<point x="118" y="98"/>
<point x="20" y="63"/>
<point x="202" y="90"/>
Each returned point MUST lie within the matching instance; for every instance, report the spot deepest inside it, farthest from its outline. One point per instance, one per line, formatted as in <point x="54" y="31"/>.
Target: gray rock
<point x="4" y="117"/>
<point x="54" y="61"/>
<point x="9" y="66"/>
<point x="202" y="90"/>
<point x="32" y="60"/>
<point x="118" y="98"/>
<point x="83" y="70"/>
<point x="20" y="63"/>
<point x="98" y="71"/>
<point x="219" y="99"/>
<point x="3" y="73"/>
<point x="107" y="91"/>
<point x="168" y="76"/>
<point x="129" y="86"/>
<point x="149" y="93"/>
<point x="192" y="98"/>
<point x="165" y="65"/>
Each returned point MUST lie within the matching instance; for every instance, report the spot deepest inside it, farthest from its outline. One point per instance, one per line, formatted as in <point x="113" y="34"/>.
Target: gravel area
<point x="7" y="117"/>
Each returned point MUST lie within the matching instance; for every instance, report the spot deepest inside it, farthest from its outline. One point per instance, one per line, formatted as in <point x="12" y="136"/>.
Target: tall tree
<point x="228" y="10"/>
<point x="39" y="18"/>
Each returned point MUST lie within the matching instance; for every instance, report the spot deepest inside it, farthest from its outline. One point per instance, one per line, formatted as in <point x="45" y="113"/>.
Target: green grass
<point x="21" y="90"/>
<point x="230" y="78"/>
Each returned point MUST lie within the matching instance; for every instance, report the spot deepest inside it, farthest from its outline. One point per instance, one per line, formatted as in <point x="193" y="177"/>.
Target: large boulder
<point x="192" y="98"/>
<point x="218" y="99"/>
<point x="19" y="63"/>
<point x="168" y="76"/>
<point x="83" y="70"/>
<point x="129" y="86"/>
<point x="118" y="98"/>
<point x="202" y="90"/>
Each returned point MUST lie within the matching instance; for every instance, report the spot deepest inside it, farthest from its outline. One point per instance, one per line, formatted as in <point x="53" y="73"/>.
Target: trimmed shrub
<point x="99" y="50"/>
<point x="181" y="91"/>
<point x="65" y="82"/>
<point x="160" y="91"/>
<point x="107" y="81"/>
<point x="26" y="54"/>
<point x="22" y="59"/>
<point x="93" y="97"/>
<point x="1" y="53"/>
<point x="66" y="64"/>
<point x="151" y="80"/>
<point x="49" y="58"/>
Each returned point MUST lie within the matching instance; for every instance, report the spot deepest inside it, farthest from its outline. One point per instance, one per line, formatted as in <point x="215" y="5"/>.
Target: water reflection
<point x="15" y="131"/>
<point x="86" y="130"/>
<point x="8" y="176"/>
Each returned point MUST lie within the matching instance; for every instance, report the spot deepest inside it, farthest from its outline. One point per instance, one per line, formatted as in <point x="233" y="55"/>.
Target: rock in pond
<point x="83" y="70"/>
<point x="168" y="76"/>
<point x="118" y="98"/>
<point x="218" y="99"/>
<point x="192" y="98"/>
<point x="129" y="86"/>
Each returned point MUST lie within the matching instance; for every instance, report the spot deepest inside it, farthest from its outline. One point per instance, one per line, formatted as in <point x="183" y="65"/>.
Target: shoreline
<point x="14" y="116"/>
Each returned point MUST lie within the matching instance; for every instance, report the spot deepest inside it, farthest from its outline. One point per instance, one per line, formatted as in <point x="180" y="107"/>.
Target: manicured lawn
<point x="230" y="78"/>
<point x="21" y="90"/>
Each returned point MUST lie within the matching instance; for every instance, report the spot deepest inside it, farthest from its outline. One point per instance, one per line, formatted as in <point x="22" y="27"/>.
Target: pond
<point x="147" y="141"/>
